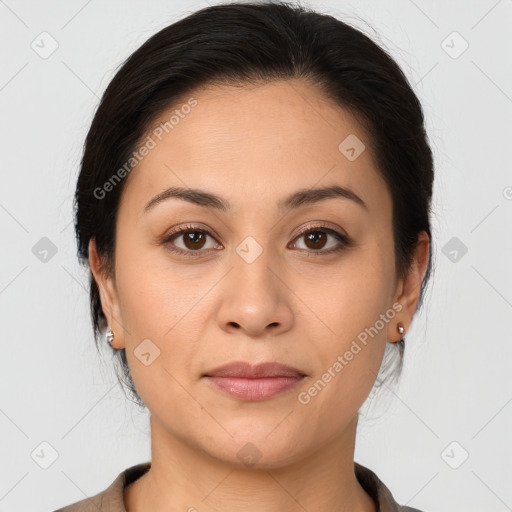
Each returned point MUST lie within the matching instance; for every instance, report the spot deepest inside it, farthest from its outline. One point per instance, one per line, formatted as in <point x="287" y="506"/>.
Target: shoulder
<point x="107" y="500"/>
<point x="372" y="484"/>
<point x="110" y="499"/>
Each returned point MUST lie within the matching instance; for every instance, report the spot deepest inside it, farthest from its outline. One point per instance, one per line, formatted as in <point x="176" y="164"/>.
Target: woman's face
<point x="309" y="283"/>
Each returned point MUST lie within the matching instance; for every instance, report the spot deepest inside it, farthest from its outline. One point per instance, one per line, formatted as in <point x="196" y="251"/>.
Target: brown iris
<point x="196" y="239"/>
<point x="314" y="239"/>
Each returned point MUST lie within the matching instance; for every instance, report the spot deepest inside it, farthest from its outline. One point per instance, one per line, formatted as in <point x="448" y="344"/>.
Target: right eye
<point x="193" y="240"/>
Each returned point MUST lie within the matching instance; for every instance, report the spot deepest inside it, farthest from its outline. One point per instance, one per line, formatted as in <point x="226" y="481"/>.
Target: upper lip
<point x="246" y="370"/>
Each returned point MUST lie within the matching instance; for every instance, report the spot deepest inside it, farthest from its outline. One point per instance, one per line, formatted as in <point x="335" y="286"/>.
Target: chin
<point x="255" y="451"/>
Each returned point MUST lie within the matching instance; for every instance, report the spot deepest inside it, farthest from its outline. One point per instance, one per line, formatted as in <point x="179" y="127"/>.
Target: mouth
<point x="254" y="383"/>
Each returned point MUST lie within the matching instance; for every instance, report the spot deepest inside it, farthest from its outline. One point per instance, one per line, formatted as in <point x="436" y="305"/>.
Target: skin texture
<point x="253" y="146"/>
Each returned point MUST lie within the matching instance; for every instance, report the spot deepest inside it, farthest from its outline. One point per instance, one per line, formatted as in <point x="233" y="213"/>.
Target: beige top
<point x="111" y="499"/>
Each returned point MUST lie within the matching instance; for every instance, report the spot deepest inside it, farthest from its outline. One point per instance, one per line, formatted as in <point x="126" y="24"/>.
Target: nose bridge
<point x="253" y="297"/>
<point x="251" y="261"/>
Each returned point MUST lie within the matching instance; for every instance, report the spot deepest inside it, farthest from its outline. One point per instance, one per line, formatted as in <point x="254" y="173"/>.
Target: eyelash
<point x="345" y="240"/>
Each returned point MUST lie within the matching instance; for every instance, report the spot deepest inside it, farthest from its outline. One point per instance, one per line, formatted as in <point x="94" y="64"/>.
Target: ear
<point x="108" y="294"/>
<point x="408" y="289"/>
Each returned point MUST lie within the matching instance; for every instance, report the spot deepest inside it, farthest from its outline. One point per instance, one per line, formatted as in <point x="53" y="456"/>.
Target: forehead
<point x="254" y="141"/>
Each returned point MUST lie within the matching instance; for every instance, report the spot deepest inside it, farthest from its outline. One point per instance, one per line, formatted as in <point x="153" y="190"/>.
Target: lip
<point x="254" y="382"/>
<point x="241" y="369"/>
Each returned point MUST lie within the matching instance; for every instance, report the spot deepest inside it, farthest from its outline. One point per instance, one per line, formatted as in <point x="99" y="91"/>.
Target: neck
<point x="192" y="480"/>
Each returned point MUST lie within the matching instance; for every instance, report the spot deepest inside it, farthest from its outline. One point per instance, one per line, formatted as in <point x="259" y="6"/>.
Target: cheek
<point x="352" y="311"/>
<point x="154" y="294"/>
<point x="159" y="317"/>
<point x="351" y="296"/>
<point x="162" y="303"/>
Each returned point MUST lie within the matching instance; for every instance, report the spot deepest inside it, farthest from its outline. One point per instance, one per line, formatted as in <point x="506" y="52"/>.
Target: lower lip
<point x="254" y="390"/>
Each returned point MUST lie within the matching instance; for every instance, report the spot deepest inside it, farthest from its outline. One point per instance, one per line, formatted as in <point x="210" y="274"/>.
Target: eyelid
<point x="320" y="225"/>
<point x="189" y="227"/>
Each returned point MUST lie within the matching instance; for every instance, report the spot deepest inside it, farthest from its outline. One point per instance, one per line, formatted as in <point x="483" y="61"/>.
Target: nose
<point x="254" y="296"/>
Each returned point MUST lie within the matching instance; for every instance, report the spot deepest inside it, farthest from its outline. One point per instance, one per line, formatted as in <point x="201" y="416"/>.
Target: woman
<point x="253" y="203"/>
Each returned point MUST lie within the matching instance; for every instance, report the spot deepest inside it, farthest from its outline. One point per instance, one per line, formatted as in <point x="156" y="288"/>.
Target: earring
<point x="110" y="337"/>
<point x="401" y="342"/>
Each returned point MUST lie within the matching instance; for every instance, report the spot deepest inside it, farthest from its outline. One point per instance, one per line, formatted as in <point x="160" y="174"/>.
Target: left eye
<point x="316" y="240"/>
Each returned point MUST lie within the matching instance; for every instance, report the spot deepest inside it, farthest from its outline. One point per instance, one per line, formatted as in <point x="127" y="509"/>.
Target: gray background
<point x="454" y="399"/>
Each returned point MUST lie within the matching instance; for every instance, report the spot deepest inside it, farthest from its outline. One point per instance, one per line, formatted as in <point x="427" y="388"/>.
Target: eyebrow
<point x="300" y="198"/>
